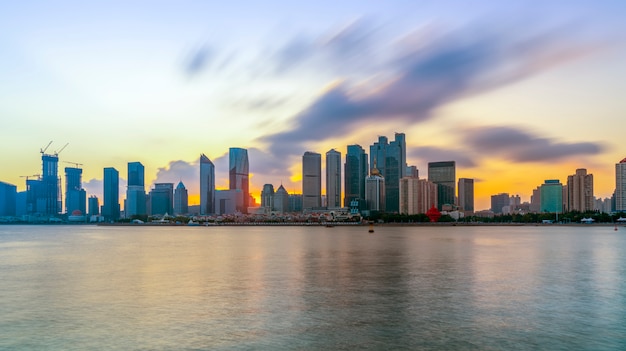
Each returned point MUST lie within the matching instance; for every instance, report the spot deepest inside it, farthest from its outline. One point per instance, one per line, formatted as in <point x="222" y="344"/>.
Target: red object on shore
<point x="433" y="214"/>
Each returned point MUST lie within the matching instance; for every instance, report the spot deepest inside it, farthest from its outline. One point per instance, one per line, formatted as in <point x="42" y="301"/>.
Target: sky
<point x="515" y="92"/>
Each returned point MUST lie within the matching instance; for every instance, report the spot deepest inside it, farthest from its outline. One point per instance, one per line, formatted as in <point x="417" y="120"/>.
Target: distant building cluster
<point x="382" y="182"/>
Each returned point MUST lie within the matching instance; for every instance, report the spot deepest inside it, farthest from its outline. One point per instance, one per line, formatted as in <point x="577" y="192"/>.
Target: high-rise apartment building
<point x="111" y="194"/>
<point x="444" y="175"/>
<point x="181" y="199"/>
<point x="409" y="195"/>
<point x="466" y="194"/>
<point x="552" y="196"/>
<point x="311" y="180"/>
<point x="333" y="179"/>
<point x="580" y="191"/>
<point x="620" y="186"/>
<point x="75" y="195"/>
<point x="427" y="195"/>
<point x="375" y="191"/>
<point x="267" y="197"/>
<point x="500" y="201"/>
<point x="207" y="186"/>
<point x="238" y="175"/>
<point x="355" y="172"/>
<point x="390" y="159"/>
<point x="135" y="191"/>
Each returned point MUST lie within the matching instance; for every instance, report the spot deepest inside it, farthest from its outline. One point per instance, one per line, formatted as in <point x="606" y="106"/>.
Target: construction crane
<point x="30" y="176"/>
<point x="43" y="150"/>
<point x="56" y="153"/>
<point x="74" y="163"/>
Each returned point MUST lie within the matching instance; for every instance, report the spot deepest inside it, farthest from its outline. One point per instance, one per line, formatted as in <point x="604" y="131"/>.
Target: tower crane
<point x="56" y="153"/>
<point x="43" y="150"/>
<point x="74" y="163"/>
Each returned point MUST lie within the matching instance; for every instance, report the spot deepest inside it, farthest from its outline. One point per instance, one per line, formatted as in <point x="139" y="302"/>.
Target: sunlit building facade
<point x="580" y="191"/>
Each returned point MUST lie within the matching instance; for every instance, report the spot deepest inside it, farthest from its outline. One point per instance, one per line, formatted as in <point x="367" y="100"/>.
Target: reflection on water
<point x="483" y="288"/>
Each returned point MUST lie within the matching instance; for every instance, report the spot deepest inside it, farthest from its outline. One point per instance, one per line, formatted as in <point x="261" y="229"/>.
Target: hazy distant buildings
<point x="238" y="175"/>
<point x="8" y="199"/>
<point x="466" y="194"/>
<point x="333" y="179"/>
<point x="111" y="194"/>
<point x="136" y="191"/>
<point x="267" y="197"/>
<point x="552" y="196"/>
<point x="535" y="200"/>
<point x="162" y="199"/>
<point x="620" y="186"/>
<point x="444" y="175"/>
<point x="390" y="161"/>
<point x="375" y="191"/>
<point x="580" y="191"/>
<point x="355" y="172"/>
<point x="75" y="195"/>
<point x="207" y="186"/>
<point x="311" y="180"/>
<point x="500" y="201"/>
<point x="228" y="201"/>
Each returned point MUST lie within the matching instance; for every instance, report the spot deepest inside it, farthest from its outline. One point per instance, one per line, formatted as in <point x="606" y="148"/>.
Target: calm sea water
<point x="250" y="288"/>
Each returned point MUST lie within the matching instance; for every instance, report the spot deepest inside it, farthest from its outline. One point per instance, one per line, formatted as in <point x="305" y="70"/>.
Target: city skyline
<point x="512" y="106"/>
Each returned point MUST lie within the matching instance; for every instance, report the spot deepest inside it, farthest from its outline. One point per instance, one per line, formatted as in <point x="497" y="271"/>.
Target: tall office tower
<point x="412" y="171"/>
<point x="552" y="196"/>
<point x="444" y="175"/>
<point x="391" y="163"/>
<point x="311" y="180"/>
<point x="375" y="191"/>
<point x="427" y="195"/>
<point x="93" y="206"/>
<point x="333" y="179"/>
<point x="580" y="191"/>
<point x="136" y="191"/>
<point x="51" y="194"/>
<point x="498" y="202"/>
<point x="267" y="197"/>
<point x="207" y="186"/>
<point x="162" y="199"/>
<point x="111" y="194"/>
<point x="466" y="194"/>
<point x="238" y="175"/>
<point x="8" y="199"/>
<point x="409" y="195"/>
<point x="75" y="195"/>
<point x="620" y="186"/>
<point x="281" y="200"/>
<point x="355" y="170"/>
<point x="181" y="199"/>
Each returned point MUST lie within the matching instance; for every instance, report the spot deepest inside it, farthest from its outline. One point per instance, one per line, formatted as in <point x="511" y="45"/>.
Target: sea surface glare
<point x="312" y="288"/>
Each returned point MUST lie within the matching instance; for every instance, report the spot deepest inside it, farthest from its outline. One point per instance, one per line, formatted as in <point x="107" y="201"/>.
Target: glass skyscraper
<point x="552" y="196"/>
<point x="311" y="180"/>
<point x="181" y="199"/>
<point x="390" y="159"/>
<point x="207" y="186"/>
<point x="355" y="170"/>
<point x="135" y="192"/>
<point x="75" y="195"/>
<point x="111" y="193"/>
<point x="50" y="199"/>
<point x="333" y="179"/>
<point x="466" y="194"/>
<point x="238" y="175"/>
<point x="444" y="175"/>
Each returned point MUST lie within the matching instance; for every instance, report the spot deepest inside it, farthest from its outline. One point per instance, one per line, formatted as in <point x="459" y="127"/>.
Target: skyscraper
<point x="444" y="175"/>
<point x="51" y="194"/>
<point x="580" y="191"/>
<point x="552" y="196"/>
<point x="466" y="194"/>
<point x="427" y="195"/>
<point x="356" y="169"/>
<point x="181" y="199"/>
<point x="162" y="199"/>
<point x="75" y="195"/>
<point x="8" y="199"/>
<point x="391" y="163"/>
<point x="111" y="193"/>
<point x="281" y="200"/>
<point x="93" y="206"/>
<point x="267" y="197"/>
<point x="375" y="191"/>
<point x="620" y="186"/>
<point x="409" y="195"/>
<point x="333" y="179"/>
<point x="136" y="191"/>
<point x="207" y="186"/>
<point x="238" y="171"/>
<point x="311" y="180"/>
